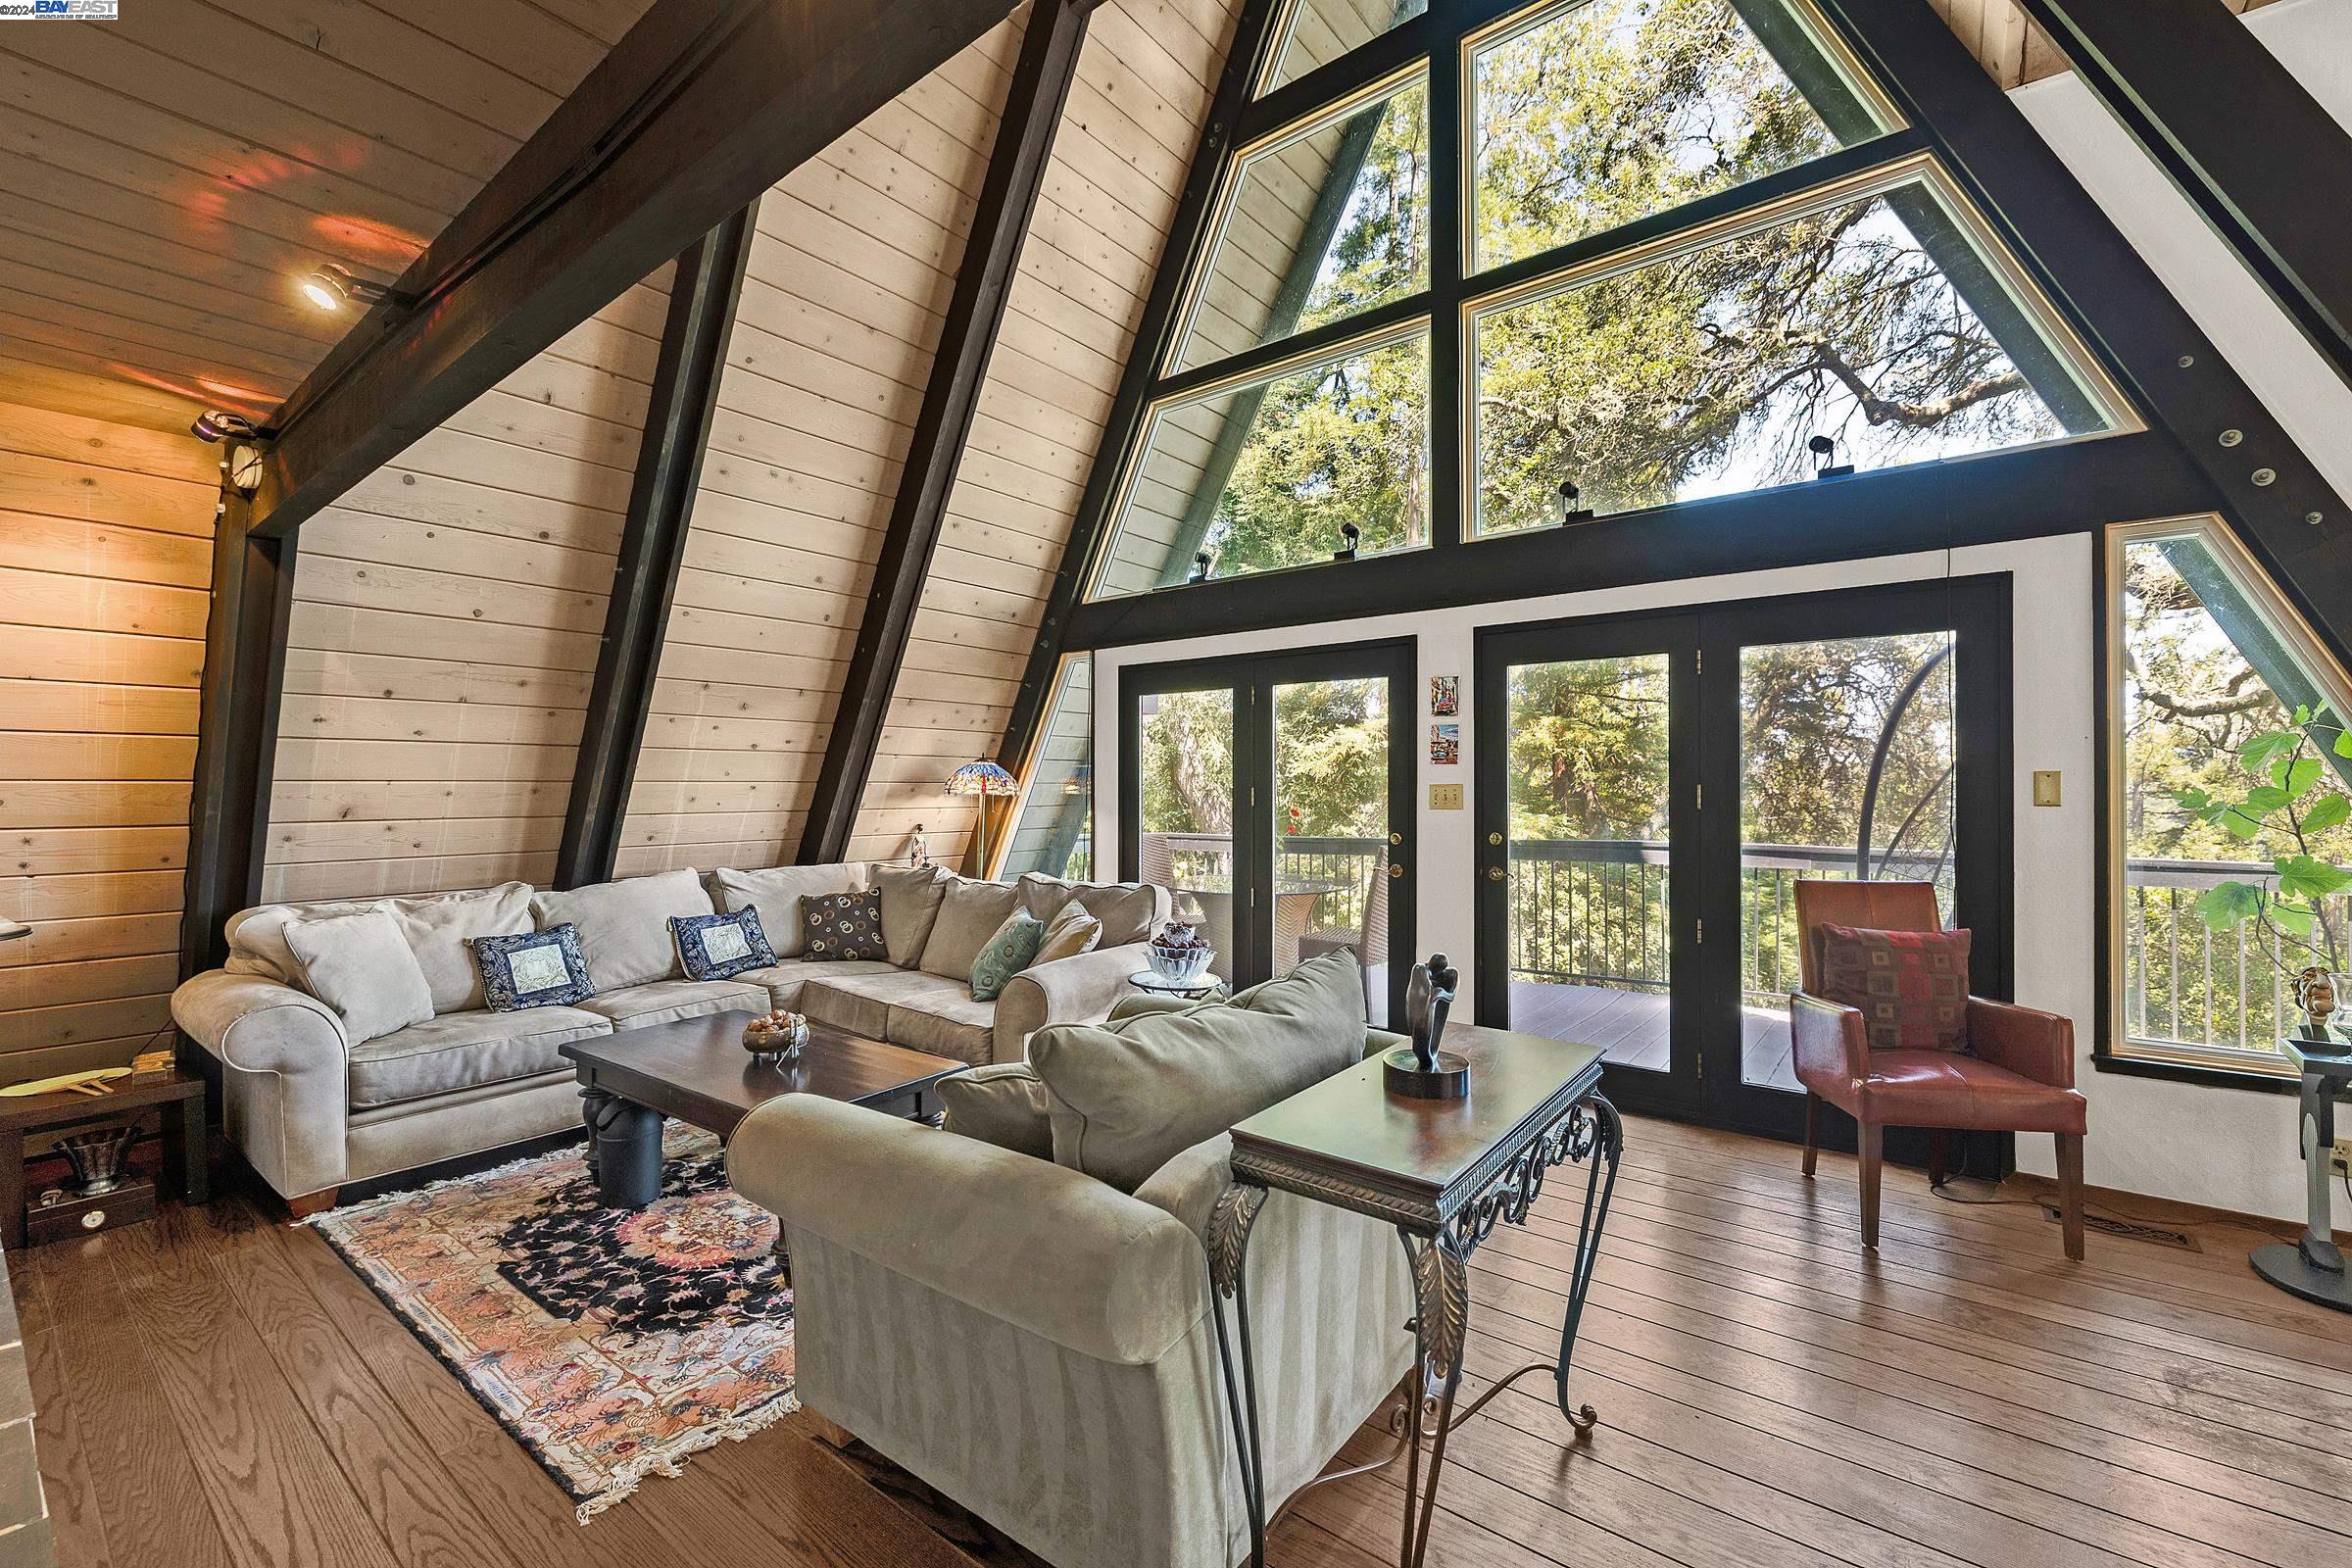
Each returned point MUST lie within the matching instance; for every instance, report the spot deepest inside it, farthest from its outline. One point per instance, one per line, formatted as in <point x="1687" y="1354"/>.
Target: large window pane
<point x="1873" y="318"/>
<point x="1592" y="114"/>
<point x="1331" y="828"/>
<point x="1055" y="830"/>
<point x="1329" y="220"/>
<point x="1315" y="32"/>
<point x="1264" y="474"/>
<point x="2211" y="667"/>
<point x="1184" y="803"/>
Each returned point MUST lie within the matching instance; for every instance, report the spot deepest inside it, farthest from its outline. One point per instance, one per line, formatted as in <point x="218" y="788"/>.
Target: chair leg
<point x="1938" y="1155"/>
<point x="1812" y="1129"/>
<point x="1870" y="1146"/>
<point x="2069" y="1192"/>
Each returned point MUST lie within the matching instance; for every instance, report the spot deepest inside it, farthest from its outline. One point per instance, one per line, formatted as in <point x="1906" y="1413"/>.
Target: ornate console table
<point x="1444" y="1173"/>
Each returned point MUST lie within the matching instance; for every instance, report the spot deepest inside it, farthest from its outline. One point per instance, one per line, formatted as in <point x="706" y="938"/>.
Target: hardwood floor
<point x="214" y="1389"/>
<point x="1630" y="1027"/>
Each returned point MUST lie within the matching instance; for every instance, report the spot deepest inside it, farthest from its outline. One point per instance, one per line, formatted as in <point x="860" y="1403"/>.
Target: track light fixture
<point x="1825" y="449"/>
<point x="1570" y="511"/>
<point x="334" y="285"/>
<point x="217" y="424"/>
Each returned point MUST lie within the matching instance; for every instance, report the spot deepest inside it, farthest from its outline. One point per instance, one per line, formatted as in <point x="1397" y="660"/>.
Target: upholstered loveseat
<point x="312" y="1108"/>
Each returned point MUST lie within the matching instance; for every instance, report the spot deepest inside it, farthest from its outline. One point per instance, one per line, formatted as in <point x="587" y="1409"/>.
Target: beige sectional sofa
<point x="311" y="1109"/>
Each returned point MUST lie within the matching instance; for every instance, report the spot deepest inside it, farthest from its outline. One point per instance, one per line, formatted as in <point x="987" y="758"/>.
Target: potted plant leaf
<point x="2292" y="799"/>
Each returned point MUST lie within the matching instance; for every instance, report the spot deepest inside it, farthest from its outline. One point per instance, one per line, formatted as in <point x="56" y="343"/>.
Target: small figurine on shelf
<point x="2314" y="993"/>
<point x="918" y="849"/>
<point x="1422" y="1070"/>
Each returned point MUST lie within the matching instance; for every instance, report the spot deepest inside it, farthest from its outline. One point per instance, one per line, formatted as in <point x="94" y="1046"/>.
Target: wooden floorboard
<point x="218" y="1389"/>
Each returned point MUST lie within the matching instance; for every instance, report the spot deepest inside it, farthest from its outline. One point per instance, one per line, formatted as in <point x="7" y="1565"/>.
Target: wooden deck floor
<point x="1629" y="1027"/>
<point x="217" y="1389"/>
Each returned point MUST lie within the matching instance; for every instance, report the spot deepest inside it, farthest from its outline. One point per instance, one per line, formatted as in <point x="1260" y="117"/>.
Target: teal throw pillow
<point x="1007" y="954"/>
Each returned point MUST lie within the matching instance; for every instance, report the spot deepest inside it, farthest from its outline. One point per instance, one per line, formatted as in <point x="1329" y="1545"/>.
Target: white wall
<point x="2234" y="1149"/>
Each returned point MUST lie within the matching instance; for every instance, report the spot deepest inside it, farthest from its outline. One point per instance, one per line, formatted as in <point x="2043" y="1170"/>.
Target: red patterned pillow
<point x="1912" y="986"/>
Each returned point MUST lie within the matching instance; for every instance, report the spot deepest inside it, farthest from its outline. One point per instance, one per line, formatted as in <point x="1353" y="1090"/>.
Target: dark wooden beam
<point x="698" y="110"/>
<point x="702" y="295"/>
<point x="1031" y="702"/>
<point x="2272" y="495"/>
<point x="236" y="744"/>
<point x="1016" y="171"/>
<point x="2269" y="167"/>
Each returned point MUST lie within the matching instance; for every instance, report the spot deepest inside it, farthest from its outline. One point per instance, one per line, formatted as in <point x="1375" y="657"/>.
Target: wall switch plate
<point x="1445" y="797"/>
<point x="2046" y="786"/>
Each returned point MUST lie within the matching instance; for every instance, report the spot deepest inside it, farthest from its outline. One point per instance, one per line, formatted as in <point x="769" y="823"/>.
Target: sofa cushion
<point x="1010" y="951"/>
<point x="465" y="1050"/>
<point x="624" y="925"/>
<point x="436" y="925"/>
<point x="776" y="893"/>
<point x="784" y="978"/>
<point x="1130" y="911"/>
<point x="1068" y="934"/>
<point x="1128" y="1096"/>
<point x="721" y="947"/>
<point x="862" y="1002"/>
<point x="946" y="1025"/>
<point x="535" y="969"/>
<point x="361" y="966"/>
<point x="911" y="899"/>
<point x="969" y="915"/>
<point x="1002" y="1104"/>
<point x="661" y="1000"/>
<point x="843" y="927"/>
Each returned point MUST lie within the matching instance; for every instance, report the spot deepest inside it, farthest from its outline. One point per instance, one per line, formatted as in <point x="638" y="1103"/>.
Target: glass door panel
<point x="1331" y="828"/>
<point x="1183" y="795"/>
<point x="1589" y="933"/>
<point x="1848" y="757"/>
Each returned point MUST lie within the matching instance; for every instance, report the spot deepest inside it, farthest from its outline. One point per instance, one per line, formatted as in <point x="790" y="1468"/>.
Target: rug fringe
<point x="668" y="1459"/>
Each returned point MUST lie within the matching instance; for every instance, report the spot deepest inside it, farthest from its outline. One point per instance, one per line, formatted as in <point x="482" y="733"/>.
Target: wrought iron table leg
<point x="1609" y="1143"/>
<point x="1228" y="1246"/>
<point x="1440" y="1328"/>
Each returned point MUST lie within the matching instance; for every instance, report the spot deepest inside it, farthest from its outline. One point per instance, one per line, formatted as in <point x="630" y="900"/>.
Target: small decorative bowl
<point x="779" y="1035"/>
<point x="1184" y="957"/>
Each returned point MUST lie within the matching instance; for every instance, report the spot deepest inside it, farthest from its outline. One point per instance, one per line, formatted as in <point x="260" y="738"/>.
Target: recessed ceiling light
<point x="332" y="285"/>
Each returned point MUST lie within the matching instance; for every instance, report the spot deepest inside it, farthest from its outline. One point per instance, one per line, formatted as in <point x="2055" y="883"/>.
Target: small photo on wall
<point x="1444" y="695"/>
<point x="1446" y="743"/>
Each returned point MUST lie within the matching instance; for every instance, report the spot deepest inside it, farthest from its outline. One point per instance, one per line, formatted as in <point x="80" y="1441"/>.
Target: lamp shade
<point x="12" y="929"/>
<point x="982" y="779"/>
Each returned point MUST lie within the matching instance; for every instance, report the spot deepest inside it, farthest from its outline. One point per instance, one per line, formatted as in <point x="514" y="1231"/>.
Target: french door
<point x="1273" y="793"/>
<point x="1650" y="788"/>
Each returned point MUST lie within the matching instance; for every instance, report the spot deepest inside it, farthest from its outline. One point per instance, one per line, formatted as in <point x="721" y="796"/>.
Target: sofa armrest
<point x="1081" y="989"/>
<point x="2028" y="1041"/>
<point x="1037" y="1245"/>
<point x="1829" y="1042"/>
<point x="285" y="1082"/>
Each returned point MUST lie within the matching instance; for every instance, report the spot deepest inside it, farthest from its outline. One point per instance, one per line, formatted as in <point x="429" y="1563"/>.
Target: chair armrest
<point x="1037" y="1245"/>
<point x="1829" y="1041"/>
<point x="259" y="1025"/>
<point x="2028" y="1041"/>
<point x="1081" y="989"/>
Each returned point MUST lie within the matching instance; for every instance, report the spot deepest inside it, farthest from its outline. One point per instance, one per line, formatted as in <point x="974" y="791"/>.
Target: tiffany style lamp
<point x="982" y="779"/>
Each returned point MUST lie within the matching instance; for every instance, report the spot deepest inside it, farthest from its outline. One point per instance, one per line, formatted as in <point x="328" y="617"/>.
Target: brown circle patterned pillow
<point x="842" y="925"/>
<point x="1911" y="986"/>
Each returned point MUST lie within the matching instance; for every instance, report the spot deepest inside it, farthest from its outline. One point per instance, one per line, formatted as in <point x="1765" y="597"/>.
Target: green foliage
<point x="2284" y="907"/>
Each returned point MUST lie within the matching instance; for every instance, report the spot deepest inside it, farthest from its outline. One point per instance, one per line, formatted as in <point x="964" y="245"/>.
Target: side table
<point x="177" y="1095"/>
<point x="1444" y="1173"/>
<point x="1151" y="983"/>
<point x="2313" y="1266"/>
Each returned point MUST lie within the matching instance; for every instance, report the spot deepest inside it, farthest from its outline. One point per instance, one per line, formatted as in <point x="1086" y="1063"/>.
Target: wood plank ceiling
<point x="170" y="177"/>
<point x="2014" y="50"/>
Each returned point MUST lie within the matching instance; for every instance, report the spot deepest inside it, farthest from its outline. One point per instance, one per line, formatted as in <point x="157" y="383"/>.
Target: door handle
<point x="1494" y="873"/>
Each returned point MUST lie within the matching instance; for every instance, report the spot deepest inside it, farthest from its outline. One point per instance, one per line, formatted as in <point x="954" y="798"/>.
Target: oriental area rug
<point x="612" y="1343"/>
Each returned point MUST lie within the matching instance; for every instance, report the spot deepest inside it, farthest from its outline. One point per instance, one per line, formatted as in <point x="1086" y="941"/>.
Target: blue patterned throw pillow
<point x="536" y="969"/>
<point x="1010" y="951"/>
<point x="842" y="925"/>
<point x="721" y="947"/>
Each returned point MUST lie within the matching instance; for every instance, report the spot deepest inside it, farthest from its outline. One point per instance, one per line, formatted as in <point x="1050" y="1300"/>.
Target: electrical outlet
<point x="2339" y="1157"/>
<point x="1445" y="797"/>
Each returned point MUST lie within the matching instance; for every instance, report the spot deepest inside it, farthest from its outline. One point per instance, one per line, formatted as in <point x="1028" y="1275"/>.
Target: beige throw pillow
<point x="361" y="966"/>
<point x="1068" y="934"/>
<point x="776" y="893"/>
<point x="969" y="915"/>
<point x="438" y="929"/>
<point x="624" y="926"/>
<point x="1126" y="1098"/>
<point x="1129" y="910"/>
<point x="911" y="898"/>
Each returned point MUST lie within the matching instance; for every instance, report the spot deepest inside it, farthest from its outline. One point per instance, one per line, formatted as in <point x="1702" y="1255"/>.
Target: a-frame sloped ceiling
<point x="1145" y="79"/>
<point x="842" y="306"/>
<point x="445" y="620"/>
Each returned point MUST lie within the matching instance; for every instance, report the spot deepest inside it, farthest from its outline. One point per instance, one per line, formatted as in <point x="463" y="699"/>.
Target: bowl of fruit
<point x="777" y="1035"/>
<point x="1179" y="952"/>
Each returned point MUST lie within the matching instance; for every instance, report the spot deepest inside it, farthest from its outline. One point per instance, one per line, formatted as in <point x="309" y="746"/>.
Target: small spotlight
<point x="1570" y="511"/>
<point x="1826" y="449"/>
<point x="1199" y="568"/>
<point x="1350" y="533"/>
<point x="214" y="424"/>
<point x="332" y="285"/>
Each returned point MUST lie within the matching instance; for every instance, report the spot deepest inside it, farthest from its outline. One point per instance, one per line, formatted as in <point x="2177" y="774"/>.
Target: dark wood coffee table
<point x="696" y="1070"/>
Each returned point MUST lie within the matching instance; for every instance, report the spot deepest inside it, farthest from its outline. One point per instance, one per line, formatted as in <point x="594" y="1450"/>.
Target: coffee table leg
<point x="626" y="1142"/>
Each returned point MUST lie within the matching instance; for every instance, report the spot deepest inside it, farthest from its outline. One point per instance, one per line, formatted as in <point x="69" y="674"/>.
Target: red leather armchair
<point x="2017" y="1075"/>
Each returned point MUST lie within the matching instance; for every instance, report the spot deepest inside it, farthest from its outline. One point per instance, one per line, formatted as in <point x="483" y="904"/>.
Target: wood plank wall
<point x="1145" y="79"/>
<point x="445" y="629"/>
<point x="843" y="302"/>
<point x="105" y="566"/>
